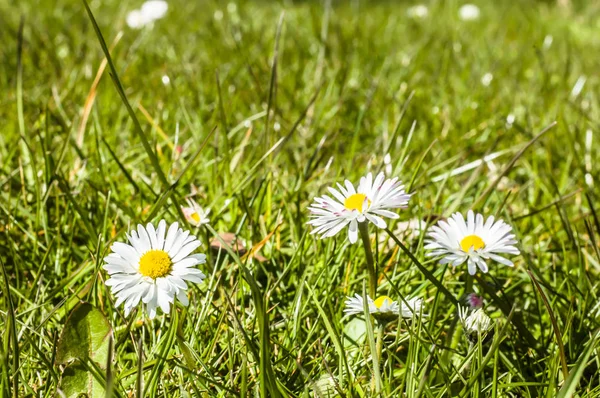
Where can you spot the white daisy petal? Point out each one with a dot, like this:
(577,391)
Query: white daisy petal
(171,235)
(183,298)
(160,234)
(178,243)
(143,235)
(125,251)
(163,301)
(353,231)
(187,249)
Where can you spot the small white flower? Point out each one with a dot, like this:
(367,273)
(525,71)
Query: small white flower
(475,323)
(487,79)
(548,41)
(510,119)
(195,214)
(473,241)
(349,206)
(469,12)
(418,11)
(383,307)
(387,161)
(135,19)
(166,80)
(154,9)
(154,267)
(151,11)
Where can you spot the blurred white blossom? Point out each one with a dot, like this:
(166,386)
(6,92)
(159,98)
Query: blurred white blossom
(418,11)
(487,79)
(578,87)
(154,9)
(150,11)
(469,12)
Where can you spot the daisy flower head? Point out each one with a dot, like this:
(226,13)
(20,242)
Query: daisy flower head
(469,12)
(474,300)
(154,267)
(383,307)
(418,11)
(150,11)
(195,214)
(475,241)
(475,323)
(370,201)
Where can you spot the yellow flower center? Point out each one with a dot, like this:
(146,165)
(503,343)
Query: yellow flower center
(471,241)
(355,202)
(195,216)
(381,300)
(155,264)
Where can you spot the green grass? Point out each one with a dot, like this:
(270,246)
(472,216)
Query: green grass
(258,140)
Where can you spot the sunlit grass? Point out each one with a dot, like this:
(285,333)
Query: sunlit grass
(459,107)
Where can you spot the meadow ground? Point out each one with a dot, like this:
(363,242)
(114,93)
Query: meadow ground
(254,125)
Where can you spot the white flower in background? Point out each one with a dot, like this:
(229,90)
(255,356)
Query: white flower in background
(150,11)
(154,9)
(487,79)
(387,161)
(349,206)
(547,42)
(475,323)
(153,268)
(383,307)
(195,214)
(418,11)
(469,12)
(135,20)
(472,241)
(510,119)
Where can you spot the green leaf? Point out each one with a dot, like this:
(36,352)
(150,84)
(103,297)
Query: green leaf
(77,382)
(85,335)
(84,347)
(570,386)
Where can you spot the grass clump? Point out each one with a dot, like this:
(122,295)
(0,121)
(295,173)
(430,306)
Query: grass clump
(253,109)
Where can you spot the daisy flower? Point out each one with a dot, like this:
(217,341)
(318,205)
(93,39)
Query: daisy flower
(349,206)
(195,214)
(474,300)
(153,267)
(473,241)
(469,12)
(475,323)
(154,9)
(383,307)
(418,11)
(150,11)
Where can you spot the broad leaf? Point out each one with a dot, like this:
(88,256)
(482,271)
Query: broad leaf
(84,336)
(78,382)
(83,346)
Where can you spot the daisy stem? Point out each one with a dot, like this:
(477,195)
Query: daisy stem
(363,227)
(379,346)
